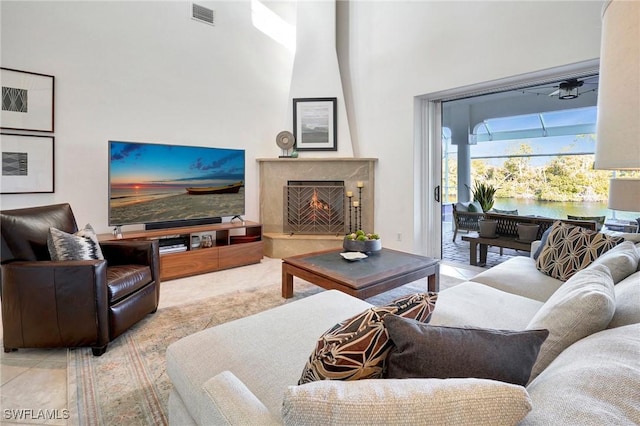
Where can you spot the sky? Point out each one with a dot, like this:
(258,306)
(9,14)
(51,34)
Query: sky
(549,146)
(134,163)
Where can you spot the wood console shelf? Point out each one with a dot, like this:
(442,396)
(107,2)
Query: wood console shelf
(234,244)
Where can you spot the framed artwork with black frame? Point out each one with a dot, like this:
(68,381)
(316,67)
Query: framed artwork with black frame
(27,101)
(315,124)
(27,164)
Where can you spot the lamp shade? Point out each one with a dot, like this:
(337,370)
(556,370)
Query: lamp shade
(624,194)
(618,122)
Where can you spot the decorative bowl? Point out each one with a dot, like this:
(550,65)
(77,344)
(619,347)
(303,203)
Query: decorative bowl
(367,246)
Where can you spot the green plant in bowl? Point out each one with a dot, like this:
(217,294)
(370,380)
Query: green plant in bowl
(362,242)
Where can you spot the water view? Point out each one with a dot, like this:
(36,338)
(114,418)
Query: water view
(560,210)
(553,209)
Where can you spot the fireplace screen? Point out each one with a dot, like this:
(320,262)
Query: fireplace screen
(314,207)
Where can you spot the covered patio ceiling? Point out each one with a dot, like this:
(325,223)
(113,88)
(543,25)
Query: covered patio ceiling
(527,112)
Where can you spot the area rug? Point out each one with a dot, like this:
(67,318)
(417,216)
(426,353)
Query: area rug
(129,384)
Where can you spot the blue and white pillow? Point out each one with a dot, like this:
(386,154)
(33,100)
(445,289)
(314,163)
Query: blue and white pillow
(83,245)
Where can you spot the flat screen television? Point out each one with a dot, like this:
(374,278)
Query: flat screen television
(158,184)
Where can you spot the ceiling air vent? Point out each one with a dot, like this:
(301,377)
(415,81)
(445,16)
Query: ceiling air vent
(202,14)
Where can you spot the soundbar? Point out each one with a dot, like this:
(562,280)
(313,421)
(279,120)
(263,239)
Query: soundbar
(181,223)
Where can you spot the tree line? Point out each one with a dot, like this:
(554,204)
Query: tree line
(566,178)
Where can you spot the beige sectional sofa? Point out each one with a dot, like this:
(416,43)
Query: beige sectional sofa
(587,372)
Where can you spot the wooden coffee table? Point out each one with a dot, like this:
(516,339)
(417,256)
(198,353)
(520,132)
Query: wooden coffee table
(379,272)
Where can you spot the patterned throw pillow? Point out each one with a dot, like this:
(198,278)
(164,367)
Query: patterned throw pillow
(357,348)
(83,245)
(570,248)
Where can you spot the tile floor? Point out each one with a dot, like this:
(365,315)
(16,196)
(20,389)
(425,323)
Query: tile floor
(33,382)
(458,251)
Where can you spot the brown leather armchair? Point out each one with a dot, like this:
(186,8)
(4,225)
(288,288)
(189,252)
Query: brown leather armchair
(49,303)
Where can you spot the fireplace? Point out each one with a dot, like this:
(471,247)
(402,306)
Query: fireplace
(276,173)
(314,207)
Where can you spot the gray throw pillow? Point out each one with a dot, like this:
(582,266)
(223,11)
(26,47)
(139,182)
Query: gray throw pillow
(428,351)
(511,212)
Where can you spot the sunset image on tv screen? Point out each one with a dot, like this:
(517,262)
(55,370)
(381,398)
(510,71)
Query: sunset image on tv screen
(155,183)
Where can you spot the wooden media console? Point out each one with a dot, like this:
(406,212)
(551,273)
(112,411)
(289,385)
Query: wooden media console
(234,244)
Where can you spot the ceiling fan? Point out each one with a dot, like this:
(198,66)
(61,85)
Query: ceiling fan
(569,89)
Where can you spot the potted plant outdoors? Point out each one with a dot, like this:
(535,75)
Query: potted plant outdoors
(484,193)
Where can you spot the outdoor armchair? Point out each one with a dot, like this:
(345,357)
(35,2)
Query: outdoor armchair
(465,220)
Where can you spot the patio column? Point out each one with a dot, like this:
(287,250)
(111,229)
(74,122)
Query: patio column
(460,137)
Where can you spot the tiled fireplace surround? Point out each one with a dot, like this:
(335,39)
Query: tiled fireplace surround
(274,175)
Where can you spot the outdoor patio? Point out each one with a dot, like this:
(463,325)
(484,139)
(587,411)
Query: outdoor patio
(458,251)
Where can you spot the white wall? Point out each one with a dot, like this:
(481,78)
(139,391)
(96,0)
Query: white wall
(316,73)
(147,72)
(398,50)
(144,71)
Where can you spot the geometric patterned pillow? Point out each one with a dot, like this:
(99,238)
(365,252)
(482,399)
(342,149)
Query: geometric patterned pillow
(571,248)
(83,245)
(357,348)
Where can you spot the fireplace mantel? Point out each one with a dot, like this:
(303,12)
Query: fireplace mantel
(276,172)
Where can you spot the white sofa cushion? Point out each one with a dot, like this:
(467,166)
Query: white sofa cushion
(581,306)
(593,382)
(227,401)
(622,260)
(627,302)
(520,276)
(405,402)
(633,237)
(178,412)
(266,351)
(478,305)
